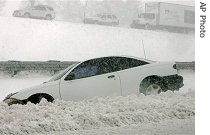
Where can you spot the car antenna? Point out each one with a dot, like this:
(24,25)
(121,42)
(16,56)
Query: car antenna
(144,49)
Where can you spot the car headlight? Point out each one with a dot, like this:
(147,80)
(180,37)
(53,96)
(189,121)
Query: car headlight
(11,101)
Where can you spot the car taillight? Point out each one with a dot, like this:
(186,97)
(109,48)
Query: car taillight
(174,66)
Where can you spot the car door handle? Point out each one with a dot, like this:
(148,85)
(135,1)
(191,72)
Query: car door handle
(111,76)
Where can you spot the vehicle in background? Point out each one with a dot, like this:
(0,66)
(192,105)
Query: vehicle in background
(166,16)
(92,19)
(104,76)
(39,11)
(102,19)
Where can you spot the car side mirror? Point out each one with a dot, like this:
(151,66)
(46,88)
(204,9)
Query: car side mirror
(70,76)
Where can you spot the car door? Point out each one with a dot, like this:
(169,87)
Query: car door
(32,11)
(89,79)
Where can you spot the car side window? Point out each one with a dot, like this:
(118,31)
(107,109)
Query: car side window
(103,16)
(122,63)
(125,63)
(85,69)
(103,66)
(40,8)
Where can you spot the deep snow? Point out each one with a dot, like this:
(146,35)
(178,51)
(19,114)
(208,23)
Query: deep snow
(167,113)
(97,113)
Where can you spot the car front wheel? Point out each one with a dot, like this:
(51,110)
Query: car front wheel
(147,26)
(38,97)
(26,15)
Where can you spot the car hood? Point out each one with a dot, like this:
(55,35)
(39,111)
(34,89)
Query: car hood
(24,92)
(40,86)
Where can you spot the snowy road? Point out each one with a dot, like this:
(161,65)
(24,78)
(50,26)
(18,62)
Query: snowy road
(44,40)
(164,114)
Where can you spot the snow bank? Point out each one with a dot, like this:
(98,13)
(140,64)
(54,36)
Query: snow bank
(30,39)
(95,113)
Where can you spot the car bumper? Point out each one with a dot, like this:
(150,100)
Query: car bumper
(174,82)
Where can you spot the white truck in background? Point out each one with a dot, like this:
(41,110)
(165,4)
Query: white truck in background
(166,16)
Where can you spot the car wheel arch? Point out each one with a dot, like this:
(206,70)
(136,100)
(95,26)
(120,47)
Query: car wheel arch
(36,98)
(154,78)
(48,15)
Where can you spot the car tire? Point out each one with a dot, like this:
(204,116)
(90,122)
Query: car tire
(48,17)
(151,87)
(26,15)
(15,14)
(147,26)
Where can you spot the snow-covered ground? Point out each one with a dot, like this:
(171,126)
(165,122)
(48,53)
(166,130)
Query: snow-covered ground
(30,39)
(167,113)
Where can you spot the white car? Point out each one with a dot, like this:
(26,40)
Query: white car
(105,76)
(39,11)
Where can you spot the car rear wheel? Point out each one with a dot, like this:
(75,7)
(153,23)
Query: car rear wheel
(48,17)
(151,87)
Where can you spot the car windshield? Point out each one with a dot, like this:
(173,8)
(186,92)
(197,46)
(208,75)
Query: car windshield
(61,73)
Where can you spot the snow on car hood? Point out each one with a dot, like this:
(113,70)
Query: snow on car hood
(115,111)
(36,87)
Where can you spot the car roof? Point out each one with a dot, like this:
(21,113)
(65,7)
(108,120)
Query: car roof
(42,6)
(107,14)
(143,59)
(125,56)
